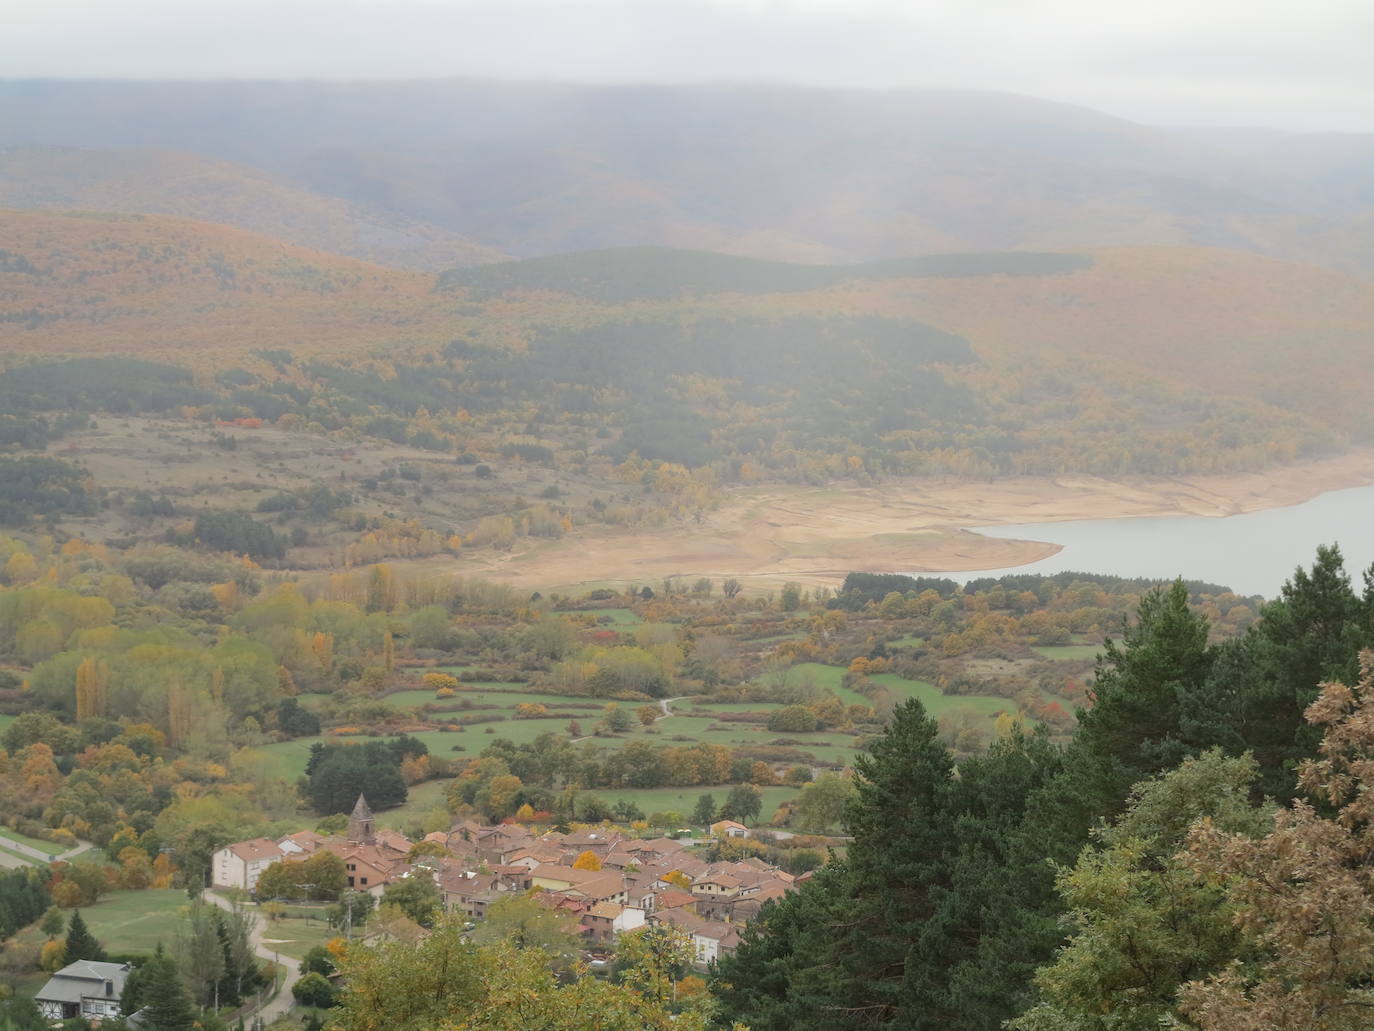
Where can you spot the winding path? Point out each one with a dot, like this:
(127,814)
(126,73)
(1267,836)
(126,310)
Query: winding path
(662,704)
(283,1000)
(29,852)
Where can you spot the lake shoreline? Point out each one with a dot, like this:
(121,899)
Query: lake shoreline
(767,535)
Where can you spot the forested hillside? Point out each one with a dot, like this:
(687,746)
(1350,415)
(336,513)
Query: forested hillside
(967,364)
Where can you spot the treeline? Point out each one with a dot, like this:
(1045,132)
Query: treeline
(46,487)
(23,899)
(946,911)
(728,397)
(621,275)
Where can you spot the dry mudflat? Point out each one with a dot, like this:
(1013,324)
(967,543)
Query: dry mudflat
(765,536)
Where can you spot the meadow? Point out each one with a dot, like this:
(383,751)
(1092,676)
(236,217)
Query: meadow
(1068,652)
(129,921)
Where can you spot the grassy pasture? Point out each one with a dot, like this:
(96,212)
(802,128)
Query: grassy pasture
(296,933)
(684,800)
(128,921)
(494,694)
(1068,652)
(936,702)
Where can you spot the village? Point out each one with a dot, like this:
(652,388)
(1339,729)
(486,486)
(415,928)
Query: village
(605,878)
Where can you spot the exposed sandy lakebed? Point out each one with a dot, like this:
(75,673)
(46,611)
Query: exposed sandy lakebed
(766,535)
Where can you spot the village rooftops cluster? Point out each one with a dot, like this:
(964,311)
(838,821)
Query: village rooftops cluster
(372,858)
(638,881)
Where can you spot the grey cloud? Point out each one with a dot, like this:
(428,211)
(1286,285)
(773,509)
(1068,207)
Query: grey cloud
(1197,62)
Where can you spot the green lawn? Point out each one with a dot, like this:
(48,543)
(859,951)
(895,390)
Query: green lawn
(297,933)
(5,722)
(1069,652)
(128,921)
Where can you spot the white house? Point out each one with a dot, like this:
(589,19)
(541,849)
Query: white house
(711,939)
(239,865)
(84,989)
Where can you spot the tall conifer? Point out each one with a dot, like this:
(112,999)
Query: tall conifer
(167,1003)
(81,944)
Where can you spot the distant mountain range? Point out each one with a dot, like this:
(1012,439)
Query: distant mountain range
(431,175)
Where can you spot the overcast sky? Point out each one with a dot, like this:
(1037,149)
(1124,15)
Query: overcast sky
(1307,65)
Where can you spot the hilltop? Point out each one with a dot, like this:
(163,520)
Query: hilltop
(818,175)
(141,180)
(104,283)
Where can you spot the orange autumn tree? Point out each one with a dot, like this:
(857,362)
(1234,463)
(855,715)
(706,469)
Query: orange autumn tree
(1304,894)
(588,860)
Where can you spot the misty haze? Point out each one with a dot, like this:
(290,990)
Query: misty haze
(702,514)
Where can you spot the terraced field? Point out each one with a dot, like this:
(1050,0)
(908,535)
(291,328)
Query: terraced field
(691,722)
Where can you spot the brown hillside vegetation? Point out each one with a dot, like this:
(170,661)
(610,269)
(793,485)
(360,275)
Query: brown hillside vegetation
(1292,335)
(99,283)
(1187,321)
(149,181)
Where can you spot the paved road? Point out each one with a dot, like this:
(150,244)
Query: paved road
(35,854)
(283,1000)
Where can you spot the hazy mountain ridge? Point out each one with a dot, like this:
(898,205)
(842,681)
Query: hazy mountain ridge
(788,173)
(163,182)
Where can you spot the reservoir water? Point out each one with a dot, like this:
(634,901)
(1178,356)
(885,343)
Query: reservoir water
(1252,553)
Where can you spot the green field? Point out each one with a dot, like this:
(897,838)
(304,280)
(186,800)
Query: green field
(504,695)
(1069,652)
(936,702)
(128,921)
(5,722)
(684,800)
(297,933)
(420,800)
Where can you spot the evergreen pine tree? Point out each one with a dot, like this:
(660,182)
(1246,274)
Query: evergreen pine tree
(1140,685)
(81,944)
(1261,686)
(167,1004)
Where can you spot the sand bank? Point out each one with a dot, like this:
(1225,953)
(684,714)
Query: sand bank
(765,536)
